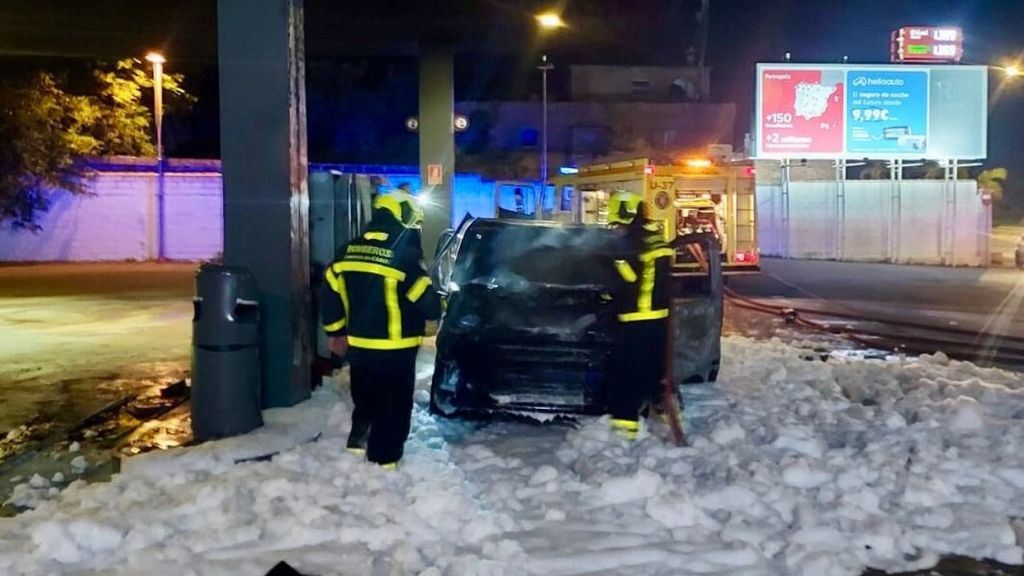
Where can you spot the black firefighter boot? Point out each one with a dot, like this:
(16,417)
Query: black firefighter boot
(358,437)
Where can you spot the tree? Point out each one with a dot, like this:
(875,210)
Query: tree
(47,129)
(874,170)
(124,125)
(992,181)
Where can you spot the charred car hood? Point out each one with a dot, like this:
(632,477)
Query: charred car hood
(524,280)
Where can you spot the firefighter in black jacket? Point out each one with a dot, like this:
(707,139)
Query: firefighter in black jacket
(642,304)
(377,297)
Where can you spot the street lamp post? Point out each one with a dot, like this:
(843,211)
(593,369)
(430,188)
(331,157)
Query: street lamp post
(157,60)
(548,21)
(544,68)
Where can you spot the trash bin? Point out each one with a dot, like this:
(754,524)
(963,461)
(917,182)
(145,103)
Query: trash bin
(225,353)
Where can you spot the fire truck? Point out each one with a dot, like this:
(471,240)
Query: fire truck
(697,196)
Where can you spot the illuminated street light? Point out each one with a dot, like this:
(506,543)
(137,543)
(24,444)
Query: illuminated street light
(1010,68)
(157,60)
(546,21)
(550,21)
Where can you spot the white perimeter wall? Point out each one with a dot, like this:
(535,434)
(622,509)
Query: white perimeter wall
(120,220)
(908,222)
(121,217)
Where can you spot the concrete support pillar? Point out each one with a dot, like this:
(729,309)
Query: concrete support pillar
(437,138)
(266,202)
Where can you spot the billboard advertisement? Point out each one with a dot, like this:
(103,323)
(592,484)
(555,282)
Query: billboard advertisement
(884,111)
(802,111)
(888,111)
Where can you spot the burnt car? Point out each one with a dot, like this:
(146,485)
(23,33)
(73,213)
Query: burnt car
(529,325)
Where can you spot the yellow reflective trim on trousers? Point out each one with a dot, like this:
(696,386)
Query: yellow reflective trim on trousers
(418,288)
(379,236)
(394,311)
(623,424)
(657,253)
(627,429)
(648,315)
(384,343)
(369,268)
(626,271)
(334,326)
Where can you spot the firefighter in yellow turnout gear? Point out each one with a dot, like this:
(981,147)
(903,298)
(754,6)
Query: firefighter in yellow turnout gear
(642,303)
(377,297)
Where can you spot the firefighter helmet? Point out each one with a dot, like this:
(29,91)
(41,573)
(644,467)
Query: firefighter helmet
(623,207)
(402,206)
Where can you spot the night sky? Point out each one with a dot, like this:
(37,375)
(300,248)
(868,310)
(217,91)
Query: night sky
(499,40)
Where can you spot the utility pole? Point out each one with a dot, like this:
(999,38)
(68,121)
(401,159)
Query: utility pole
(544,67)
(158,60)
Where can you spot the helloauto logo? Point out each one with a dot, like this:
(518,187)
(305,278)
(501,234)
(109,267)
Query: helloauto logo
(865,81)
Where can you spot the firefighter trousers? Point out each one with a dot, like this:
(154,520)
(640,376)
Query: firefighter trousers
(382,389)
(637,366)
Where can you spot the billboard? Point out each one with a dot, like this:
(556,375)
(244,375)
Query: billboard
(871,111)
(888,111)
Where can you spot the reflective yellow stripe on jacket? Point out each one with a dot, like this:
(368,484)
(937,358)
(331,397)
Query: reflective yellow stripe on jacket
(337,283)
(645,297)
(418,288)
(334,326)
(648,315)
(392,276)
(626,271)
(394,310)
(369,268)
(384,343)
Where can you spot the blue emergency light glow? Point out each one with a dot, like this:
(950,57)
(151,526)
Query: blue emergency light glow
(568,170)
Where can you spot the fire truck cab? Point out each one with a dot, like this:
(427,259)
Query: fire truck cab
(694,197)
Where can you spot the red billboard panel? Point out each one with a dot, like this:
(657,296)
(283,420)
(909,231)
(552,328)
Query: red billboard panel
(801,112)
(927,44)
